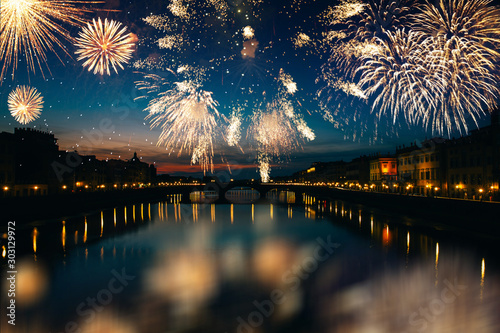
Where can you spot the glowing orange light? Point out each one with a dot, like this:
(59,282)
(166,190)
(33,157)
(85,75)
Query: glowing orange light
(35,235)
(386,236)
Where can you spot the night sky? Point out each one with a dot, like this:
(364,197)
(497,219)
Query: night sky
(77,102)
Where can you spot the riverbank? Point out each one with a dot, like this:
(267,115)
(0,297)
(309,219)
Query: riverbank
(479,217)
(28,209)
(475,216)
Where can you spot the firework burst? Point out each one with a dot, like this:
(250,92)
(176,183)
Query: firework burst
(278,131)
(434,65)
(31,27)
(104,45)
(25,104)
(476,22)
(463,42)
(248,32)
(401,77)
(187,116)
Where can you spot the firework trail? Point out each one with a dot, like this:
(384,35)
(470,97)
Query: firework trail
(234,127)
(104,45)
(25,104)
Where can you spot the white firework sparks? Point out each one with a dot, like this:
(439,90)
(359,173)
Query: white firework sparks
(248,32)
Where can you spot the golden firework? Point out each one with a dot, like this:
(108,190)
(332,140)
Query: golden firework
(25,104)
(248,32)
(187,116)
(436,65)
(278,131)
(104,45)
(30,28)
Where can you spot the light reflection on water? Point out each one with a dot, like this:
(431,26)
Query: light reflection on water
(204,267)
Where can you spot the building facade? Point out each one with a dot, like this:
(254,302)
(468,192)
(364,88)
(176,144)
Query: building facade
(32,164)
(383,173)
(473,164)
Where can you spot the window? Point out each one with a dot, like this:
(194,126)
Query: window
(464,179)
(421,159)
(427,158)
(472,179)
(427,174)
(432,158)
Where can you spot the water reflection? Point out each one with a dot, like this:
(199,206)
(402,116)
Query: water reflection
(232,213)
(436,265)
(242,195)
(34,235)
(212,213)
(277,195)
(216,266)
(63,236)
(85,231)
(253,213)
(203,196)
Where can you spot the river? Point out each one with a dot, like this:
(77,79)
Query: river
(292,263)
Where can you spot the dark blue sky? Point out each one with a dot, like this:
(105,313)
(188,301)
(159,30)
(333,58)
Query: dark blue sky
(97,115)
